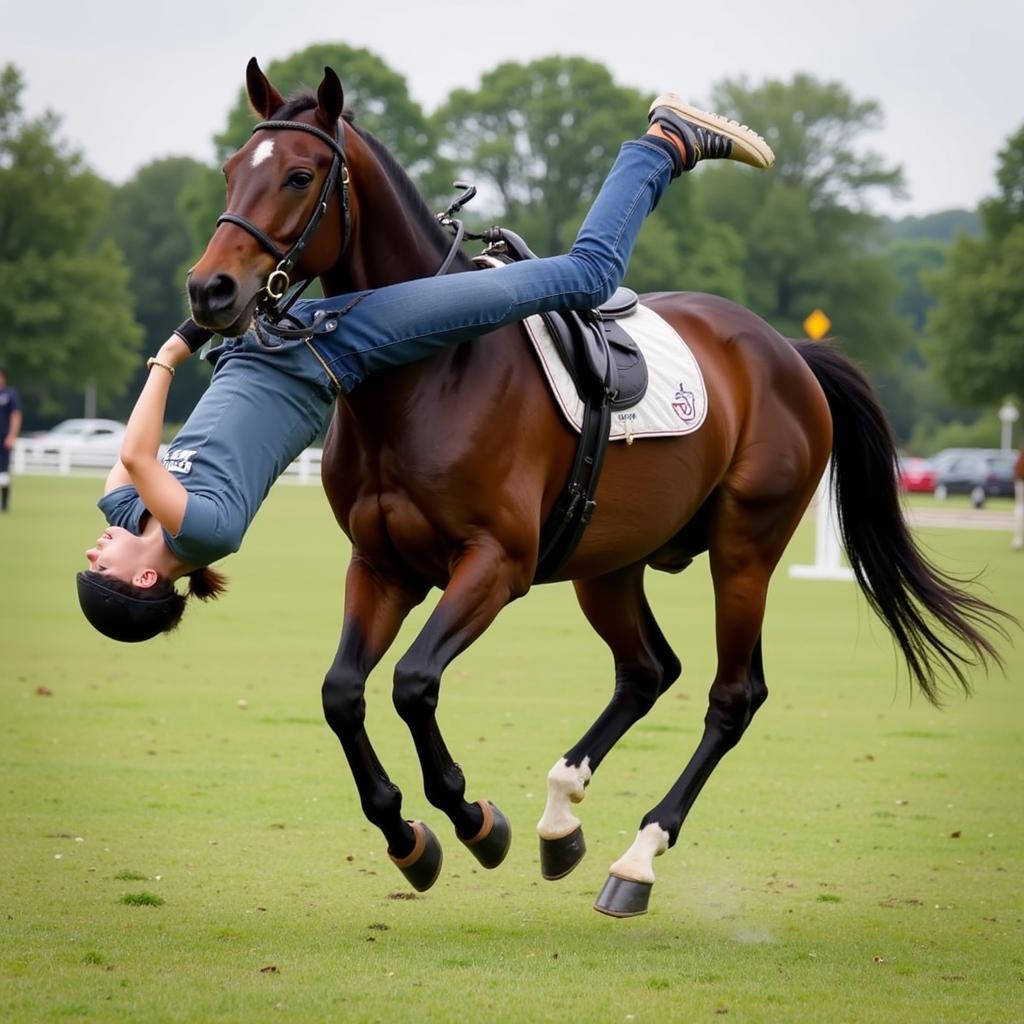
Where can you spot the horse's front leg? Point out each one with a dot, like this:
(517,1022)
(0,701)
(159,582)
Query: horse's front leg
(485,579)
(375,608)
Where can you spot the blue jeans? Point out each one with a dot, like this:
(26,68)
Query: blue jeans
(404,322)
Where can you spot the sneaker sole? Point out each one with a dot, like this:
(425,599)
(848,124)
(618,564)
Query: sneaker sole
(747,146)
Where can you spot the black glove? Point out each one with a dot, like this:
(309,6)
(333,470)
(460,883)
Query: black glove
(193,335)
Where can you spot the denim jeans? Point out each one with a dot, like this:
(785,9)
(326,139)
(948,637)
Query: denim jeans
(403,322)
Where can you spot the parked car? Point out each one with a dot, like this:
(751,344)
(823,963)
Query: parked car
(916,475)
(980,472)
(943,459)
(79,442)
(96,435)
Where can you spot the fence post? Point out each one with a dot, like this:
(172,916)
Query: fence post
(828,548)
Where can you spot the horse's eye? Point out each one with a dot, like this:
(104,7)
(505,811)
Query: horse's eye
(299,180)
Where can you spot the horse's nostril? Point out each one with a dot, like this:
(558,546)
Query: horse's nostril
(221,291)
(213,294)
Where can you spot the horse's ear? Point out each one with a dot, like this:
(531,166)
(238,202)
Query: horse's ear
(265,99)
(330,100)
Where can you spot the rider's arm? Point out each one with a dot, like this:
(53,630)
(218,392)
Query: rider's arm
(117,477)
(161,492)
(194,337)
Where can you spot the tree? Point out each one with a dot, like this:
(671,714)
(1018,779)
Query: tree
(978,324)
(65,308)
(378,95)
(541,138)
(907,387)
(943,226)
(809,235)
(914,261)
(145,220)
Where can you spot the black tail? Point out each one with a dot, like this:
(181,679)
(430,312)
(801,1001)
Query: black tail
(910,595)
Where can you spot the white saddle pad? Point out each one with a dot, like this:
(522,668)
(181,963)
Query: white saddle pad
(676,401)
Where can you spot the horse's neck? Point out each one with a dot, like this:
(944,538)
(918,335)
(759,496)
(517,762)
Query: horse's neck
(389,244)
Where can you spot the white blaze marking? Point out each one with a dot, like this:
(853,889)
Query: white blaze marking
(637,863)
(565,785)
(263,150)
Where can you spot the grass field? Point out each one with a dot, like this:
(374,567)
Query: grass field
(182,841)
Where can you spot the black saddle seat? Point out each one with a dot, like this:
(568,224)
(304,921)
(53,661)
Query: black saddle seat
(599,354)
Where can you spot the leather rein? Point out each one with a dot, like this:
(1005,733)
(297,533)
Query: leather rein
(275,303)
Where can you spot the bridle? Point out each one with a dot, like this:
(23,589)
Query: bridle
(273,305)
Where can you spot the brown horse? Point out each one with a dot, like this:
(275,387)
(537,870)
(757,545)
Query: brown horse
(437,485)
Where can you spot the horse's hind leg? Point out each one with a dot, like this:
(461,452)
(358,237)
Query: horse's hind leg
(374,611)
(645,667)
(485,579)
(745,544)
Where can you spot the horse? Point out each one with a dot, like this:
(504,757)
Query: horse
(436,486)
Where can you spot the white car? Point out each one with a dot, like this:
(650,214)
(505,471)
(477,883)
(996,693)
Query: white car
(100,436)
(79,443)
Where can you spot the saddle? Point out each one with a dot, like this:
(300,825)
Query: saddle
(609,372)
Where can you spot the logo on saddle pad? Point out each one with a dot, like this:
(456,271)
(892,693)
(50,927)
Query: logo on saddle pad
(684,405)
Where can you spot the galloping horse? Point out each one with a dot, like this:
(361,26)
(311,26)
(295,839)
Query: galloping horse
(437,485)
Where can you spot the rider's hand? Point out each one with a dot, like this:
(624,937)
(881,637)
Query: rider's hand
(193,335)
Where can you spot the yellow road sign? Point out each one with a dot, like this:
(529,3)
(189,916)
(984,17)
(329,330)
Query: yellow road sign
(816,325)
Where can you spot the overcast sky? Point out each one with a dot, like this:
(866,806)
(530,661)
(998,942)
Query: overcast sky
(134,81)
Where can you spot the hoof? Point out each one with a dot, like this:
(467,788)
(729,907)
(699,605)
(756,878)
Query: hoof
(559,856)
(422,866)
(492,842)
(621,897)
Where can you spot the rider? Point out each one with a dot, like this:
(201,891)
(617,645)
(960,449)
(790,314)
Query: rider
(174,516)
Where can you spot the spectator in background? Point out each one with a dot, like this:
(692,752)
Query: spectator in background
(10,427)
(1018,503)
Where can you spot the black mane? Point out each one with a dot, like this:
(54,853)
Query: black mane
(396,173)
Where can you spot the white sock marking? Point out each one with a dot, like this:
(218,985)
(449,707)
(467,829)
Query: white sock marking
(263,150)
(565,785)
(637,863)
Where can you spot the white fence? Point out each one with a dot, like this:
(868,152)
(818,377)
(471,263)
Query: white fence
(42,457)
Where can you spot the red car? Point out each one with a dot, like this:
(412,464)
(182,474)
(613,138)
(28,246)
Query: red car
(916,475)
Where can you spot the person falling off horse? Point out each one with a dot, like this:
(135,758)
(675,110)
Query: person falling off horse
(171,518)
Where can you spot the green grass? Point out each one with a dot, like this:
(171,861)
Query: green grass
(857,858)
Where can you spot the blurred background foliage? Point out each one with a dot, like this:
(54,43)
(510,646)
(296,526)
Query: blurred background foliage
(932,306)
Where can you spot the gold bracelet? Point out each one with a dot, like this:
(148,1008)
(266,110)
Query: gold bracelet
(151,362)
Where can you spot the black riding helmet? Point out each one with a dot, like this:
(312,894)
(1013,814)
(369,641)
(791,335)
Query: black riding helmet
(122,616)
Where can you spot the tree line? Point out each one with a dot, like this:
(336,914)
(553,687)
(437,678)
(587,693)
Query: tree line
(932,307)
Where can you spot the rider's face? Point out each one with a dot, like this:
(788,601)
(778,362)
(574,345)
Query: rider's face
(121,555)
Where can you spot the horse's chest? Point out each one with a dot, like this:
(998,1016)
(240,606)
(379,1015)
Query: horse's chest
(405,529)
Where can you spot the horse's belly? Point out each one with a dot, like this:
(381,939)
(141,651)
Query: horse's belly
(648,492)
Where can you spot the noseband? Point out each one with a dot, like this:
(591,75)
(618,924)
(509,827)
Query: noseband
(273,305)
